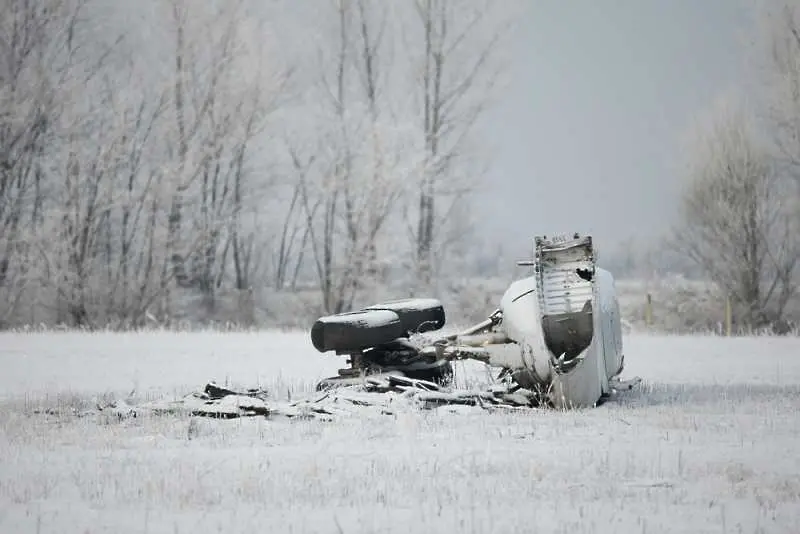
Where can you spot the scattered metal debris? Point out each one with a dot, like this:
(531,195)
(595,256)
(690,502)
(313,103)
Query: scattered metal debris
(214,401)
(382,394)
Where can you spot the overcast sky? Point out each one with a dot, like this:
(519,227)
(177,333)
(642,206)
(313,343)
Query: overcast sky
(601,94)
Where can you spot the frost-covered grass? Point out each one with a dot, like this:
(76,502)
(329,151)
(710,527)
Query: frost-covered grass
(708,444)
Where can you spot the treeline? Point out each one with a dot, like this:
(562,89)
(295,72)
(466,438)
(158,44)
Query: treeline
(165,157)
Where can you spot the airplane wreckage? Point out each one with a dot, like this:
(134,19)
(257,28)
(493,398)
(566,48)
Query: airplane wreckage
(555,340)
(556,337)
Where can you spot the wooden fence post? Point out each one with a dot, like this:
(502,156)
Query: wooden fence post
(728,316)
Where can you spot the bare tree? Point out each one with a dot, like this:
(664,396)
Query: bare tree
(221,95)
(134,176)
(47,56)
(404,86)
(352,173)
(458,67)
(780,42)
(119,179)
(735,223)
(111,256)
(195,142)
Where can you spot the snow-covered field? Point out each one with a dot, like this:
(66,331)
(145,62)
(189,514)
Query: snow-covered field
(709,443)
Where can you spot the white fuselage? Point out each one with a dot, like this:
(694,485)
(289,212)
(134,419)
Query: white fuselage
(527,354)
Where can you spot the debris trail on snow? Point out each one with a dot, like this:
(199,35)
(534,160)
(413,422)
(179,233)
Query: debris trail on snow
(378,395)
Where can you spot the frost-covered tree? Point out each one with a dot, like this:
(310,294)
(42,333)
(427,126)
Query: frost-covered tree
(126,162)
(221,94)
(353,163)
(48,56)
(455,49)
(736,219)
(154,152)
(779,44)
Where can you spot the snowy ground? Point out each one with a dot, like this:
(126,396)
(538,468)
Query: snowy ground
(708,444)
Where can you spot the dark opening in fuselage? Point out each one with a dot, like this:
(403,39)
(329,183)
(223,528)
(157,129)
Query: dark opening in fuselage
(569,334)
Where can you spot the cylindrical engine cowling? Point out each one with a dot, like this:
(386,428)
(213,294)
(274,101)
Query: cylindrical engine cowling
(355,331)
(417,315)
